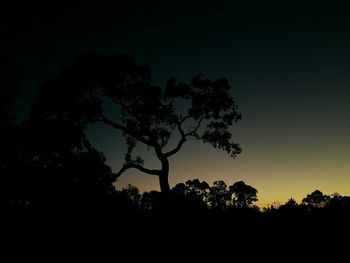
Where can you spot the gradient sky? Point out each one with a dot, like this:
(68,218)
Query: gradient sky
(288,65)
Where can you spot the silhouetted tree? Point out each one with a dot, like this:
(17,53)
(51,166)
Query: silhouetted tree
(243,195)
(316,199)
(191,195)
(150,200)
(219,196)
(193,188)
(272,208)
(51,164)
(146,113)
(134,193)
(339,203)
(291,203)
(292,208)
(180,189)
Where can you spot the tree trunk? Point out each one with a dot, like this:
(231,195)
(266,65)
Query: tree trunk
(163,177)
(164,183)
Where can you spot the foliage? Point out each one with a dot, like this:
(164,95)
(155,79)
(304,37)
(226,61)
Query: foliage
(219,196)
(50,163)
(147,114)
(316,199)
(134,194)
(243,195)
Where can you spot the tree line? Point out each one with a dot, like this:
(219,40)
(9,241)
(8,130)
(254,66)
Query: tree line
(194,195)
(47,162)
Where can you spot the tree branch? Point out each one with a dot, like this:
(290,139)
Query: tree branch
(126,130)
(194,132)
(182,140)
(138,167)
(184,135)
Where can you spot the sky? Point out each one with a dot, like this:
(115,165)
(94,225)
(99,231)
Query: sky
(288,65)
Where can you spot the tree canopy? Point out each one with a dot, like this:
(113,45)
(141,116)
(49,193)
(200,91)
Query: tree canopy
(244,195)
(316,199)
(145,113)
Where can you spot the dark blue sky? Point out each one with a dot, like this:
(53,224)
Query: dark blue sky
(288,64)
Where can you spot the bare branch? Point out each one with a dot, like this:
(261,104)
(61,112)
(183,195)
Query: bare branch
(152,142)
(184,135)
(182,140)
(194,131)
(177,148)
(138,167)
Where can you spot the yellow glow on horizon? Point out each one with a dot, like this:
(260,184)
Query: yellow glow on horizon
(276,176)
